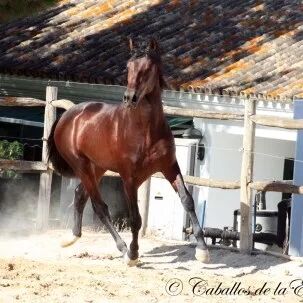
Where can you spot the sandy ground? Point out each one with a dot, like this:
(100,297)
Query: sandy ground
(36,269)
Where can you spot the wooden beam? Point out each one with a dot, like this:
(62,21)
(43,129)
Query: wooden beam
(46,177)
(211,183)
(273,186)
(277,186)
(277,122)
(21,101)
(206,182)
(169,110)
(110,173)
(195,181)
(23,166)
(67,104)
(143,204)
(197,113)
(246,234)
(20,121)
(63,103)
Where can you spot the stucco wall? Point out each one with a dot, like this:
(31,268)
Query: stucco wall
(223,142)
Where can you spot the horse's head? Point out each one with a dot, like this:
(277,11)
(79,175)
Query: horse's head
(144,71)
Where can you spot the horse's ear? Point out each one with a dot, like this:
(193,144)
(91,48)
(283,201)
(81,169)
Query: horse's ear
(130,43)
(153,44)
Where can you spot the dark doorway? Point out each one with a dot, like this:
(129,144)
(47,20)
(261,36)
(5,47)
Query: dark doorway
(288,174)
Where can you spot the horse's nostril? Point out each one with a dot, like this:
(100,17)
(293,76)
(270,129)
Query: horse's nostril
(125,98)
(134,98)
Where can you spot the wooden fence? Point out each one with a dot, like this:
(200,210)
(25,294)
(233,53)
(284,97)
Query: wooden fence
(246,183)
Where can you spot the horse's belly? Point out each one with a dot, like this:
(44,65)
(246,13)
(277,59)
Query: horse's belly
(102,155)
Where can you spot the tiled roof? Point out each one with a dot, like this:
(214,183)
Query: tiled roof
(217,46)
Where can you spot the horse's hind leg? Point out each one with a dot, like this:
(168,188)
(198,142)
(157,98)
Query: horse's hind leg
(174,176)
(132,254)
(90,182)
(80,199)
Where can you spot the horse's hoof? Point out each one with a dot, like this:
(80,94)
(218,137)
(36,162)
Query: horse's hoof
(69,242)
(129,261)
(202,255)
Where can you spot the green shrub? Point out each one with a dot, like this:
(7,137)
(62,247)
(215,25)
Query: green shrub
(10,151)
(13,9)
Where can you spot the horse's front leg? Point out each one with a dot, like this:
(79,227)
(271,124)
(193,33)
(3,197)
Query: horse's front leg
(131,191)
(174,176)
(80,199)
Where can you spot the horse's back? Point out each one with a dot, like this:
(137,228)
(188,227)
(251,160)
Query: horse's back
(86,130)
(86,107)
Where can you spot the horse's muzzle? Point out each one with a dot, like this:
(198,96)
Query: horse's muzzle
(130,97)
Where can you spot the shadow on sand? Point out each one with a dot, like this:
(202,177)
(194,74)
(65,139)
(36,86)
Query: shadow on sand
(220,259)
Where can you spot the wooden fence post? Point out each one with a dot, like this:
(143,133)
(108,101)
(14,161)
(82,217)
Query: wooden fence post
(143,203)
(246,237)
(46,177)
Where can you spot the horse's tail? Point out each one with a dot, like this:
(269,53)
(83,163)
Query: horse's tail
(59,164)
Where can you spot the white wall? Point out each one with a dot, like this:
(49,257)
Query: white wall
(223,142)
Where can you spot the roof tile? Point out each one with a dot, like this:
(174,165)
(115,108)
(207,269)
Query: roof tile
(252,46)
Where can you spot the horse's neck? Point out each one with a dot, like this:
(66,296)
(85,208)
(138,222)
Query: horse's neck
(153,108)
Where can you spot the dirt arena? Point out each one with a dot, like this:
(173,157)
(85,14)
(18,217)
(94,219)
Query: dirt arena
(36,269)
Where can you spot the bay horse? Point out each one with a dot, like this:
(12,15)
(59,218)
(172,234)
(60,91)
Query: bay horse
(132,139)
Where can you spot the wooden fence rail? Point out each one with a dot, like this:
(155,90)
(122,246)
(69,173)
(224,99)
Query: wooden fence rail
(246,183)
(277,122)
(21,101)
(268,186)
(246,234)
(197,113)
(46,176)
(22,166)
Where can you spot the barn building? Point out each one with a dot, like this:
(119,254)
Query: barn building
(216,55)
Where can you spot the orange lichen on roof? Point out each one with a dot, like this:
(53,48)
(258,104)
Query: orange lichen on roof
(186,61)
(252,46)
(285,32)
(59,59)
(74,11)
(258,8)
(227,72)
(249,90)
(126,14)
(235,67)
(172,5)
(296,85)
(196,83)
(278,92)
(281,32)
(123,16)
(97,10)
